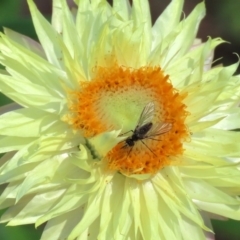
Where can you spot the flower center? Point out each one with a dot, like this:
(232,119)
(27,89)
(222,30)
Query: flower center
(119,98)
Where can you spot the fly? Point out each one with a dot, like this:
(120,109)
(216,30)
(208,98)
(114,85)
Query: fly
(145,129)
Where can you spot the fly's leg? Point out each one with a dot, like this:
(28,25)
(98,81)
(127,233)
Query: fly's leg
(149,148)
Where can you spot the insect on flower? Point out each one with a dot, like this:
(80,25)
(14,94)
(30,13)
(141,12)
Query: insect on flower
(145,129)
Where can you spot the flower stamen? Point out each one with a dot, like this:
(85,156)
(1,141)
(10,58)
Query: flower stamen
(115,99)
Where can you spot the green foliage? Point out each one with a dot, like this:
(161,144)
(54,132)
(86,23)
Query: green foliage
(9,9)
(228,12)
(26,232)
(226,230)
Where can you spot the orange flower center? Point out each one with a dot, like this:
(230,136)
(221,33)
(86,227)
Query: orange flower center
(116,98)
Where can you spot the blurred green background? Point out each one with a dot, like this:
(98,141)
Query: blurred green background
(222,20)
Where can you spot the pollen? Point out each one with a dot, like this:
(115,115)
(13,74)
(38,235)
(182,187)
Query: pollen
(115,99)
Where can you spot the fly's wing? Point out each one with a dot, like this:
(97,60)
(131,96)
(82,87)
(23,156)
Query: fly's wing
(146,115)
(159,129)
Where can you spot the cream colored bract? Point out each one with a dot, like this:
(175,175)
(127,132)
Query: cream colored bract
(55,174)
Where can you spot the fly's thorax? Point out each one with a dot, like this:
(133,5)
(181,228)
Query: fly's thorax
(143,130)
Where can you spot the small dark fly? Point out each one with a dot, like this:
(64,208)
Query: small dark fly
(145,129)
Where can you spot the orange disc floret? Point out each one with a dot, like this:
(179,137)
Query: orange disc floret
(119,88)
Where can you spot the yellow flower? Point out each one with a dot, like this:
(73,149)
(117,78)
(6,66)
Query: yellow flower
(124,130)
